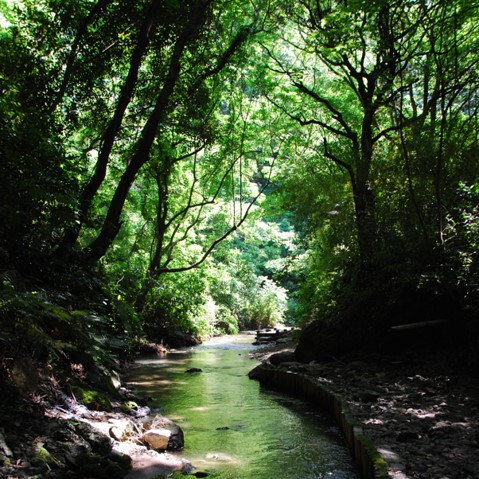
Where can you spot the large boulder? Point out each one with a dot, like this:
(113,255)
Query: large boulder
(176,438)
(156,439)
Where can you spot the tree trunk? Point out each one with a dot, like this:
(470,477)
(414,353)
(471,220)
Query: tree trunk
(161,215)
(367,233)
(363,195)
(91,188)
(141,155)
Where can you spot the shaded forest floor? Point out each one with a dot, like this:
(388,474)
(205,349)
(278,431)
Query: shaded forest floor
(422,414)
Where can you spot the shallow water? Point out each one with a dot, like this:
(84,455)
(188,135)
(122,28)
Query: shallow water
(233,428)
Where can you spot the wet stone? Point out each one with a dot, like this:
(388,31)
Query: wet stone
(193,370)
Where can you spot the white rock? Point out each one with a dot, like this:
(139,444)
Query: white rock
(121,429)
(3,446)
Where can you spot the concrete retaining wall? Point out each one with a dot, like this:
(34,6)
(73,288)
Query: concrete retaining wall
(368,460)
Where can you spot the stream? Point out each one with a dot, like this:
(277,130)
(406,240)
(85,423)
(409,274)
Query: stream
(234,429)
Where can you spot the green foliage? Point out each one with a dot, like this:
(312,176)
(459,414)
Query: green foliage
(461,262)
(39,180)
(42,326)
(177,303)
(265,305)
(335,69)
(205,167)
(242,285)
(253,274)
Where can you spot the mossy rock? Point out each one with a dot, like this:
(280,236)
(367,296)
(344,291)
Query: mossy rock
(44,456)
(129,406)
(94,400)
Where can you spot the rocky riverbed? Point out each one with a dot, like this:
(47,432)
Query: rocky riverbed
(63,439)
(421,413)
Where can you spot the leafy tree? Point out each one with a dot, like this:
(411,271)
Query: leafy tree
(35,197)
(213,161)
(348,50)
(350,68)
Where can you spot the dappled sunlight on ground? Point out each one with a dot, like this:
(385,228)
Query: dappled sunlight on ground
(423,417)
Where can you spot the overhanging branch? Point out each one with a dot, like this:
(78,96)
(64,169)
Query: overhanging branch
(221,238)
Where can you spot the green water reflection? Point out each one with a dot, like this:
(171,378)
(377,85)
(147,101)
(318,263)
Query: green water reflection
(233,428)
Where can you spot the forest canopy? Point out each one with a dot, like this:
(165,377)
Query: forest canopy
(205,166)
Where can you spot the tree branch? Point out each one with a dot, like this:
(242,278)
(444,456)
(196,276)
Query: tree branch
(218,240)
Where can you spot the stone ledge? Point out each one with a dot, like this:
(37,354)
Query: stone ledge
(370,463)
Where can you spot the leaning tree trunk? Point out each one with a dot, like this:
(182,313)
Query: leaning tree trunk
(98,248)
(89,191)
(161,227)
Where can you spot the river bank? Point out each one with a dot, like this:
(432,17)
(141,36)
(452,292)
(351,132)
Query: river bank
(421,413)
(58,437)
(52,435)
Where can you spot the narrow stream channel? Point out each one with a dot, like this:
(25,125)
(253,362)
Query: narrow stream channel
(233,428)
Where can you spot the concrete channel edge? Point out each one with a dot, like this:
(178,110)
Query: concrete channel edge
(368,460)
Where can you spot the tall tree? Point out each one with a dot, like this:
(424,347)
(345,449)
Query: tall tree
(349,66)
(149,23)
(181,62)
